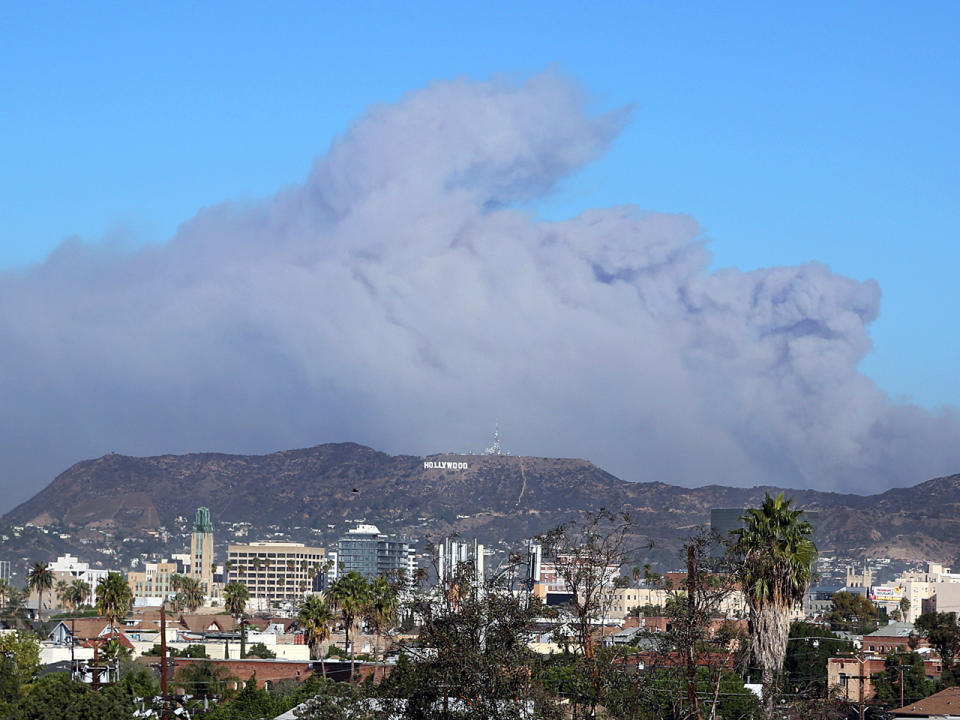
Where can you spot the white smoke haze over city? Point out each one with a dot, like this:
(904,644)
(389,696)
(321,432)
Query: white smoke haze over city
(398,298)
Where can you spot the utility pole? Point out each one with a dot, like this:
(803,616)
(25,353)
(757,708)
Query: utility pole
(862,677)
(163,658)
(901,679)
(691,635)
(163,649)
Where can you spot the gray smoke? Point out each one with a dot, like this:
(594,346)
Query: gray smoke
(397,298)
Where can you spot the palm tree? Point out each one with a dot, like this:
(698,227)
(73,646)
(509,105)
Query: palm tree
(40,580)
(315,618)
(776,556)
(5,588)
(16,605)
(235,597)
(382,609)
(114,598)
(190,594)
(75,593)
(61,589)
(351,594)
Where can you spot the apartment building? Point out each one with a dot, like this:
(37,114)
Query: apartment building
(153,583)
(366,550)
(276,570)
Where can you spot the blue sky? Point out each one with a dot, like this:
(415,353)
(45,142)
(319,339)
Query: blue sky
(791,134)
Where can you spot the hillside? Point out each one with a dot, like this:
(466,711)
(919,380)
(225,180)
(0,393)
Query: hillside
(493,497)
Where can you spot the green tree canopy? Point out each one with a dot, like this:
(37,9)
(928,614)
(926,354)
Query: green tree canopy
(114,598)
(942,632)
(57,697)
(907,668)
(853,612)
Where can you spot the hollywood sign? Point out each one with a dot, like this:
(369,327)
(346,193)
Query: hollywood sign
(443,465)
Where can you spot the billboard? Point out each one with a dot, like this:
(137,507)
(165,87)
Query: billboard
(886,593)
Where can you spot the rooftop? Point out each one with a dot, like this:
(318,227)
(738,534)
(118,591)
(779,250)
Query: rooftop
(894,629)
(943,704)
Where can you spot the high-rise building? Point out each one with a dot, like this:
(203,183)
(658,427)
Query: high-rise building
(366,550)
(276,570)
(201,550)
(453,553)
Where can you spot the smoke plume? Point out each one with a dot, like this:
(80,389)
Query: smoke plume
(399,299)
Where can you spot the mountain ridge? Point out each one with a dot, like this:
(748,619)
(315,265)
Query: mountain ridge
(494,496)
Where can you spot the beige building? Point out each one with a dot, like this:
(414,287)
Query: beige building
(619,602)
(275,571)
(153,582)
(201,551)
(919,588)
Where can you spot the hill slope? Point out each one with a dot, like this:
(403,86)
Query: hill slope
(494,496)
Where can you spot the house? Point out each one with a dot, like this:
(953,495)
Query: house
(890,638)
(944,705)
(83,629)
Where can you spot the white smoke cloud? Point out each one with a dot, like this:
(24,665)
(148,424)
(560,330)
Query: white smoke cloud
(396,299)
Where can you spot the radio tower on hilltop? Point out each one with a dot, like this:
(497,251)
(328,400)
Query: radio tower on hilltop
(495,449)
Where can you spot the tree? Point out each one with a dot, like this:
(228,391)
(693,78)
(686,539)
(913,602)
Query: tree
(351,594)
(39,580)
(587,558)
(114,598)
(903,673)
(23,649)
(805,665)
(61,589)
(75,594)
(852,612)
(942,632)
(236,595)
(904,607)
(204,678)
(261,651)
(315,618)
(57,696)
(16,606)
(471,659)
(775,554)
(190,593)
(382,609)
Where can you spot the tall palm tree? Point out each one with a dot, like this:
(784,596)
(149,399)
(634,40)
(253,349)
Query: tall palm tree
(382,609)
(40,580)
(114,599)
(775,552)
(351,594)
(235,597)
(315,618)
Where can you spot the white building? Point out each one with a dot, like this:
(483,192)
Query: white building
(453,552)
(68,568)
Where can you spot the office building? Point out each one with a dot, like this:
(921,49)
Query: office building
(276,570)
